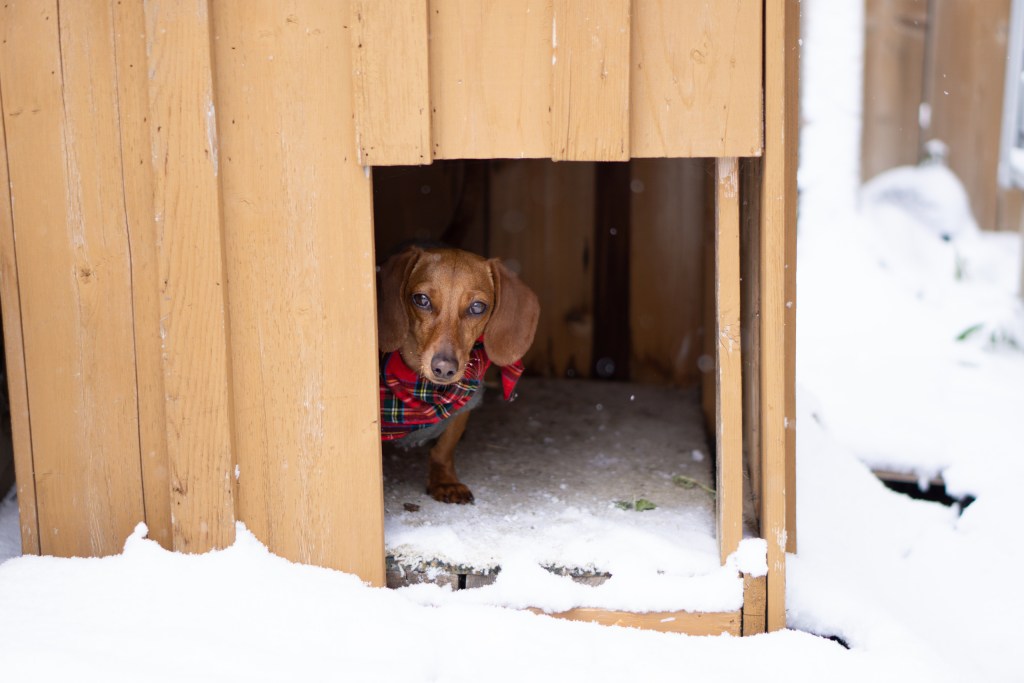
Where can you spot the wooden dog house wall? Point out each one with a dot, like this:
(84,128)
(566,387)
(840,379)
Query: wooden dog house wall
(187,244)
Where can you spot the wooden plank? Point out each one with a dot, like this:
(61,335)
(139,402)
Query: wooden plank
(690,623)
(132,81)
(667,213)
(490,78)
(73,274)
(706,361)
(778,209)
(964,89)
(299,231)
(754,589)
(542,218)
(728,365)
(390,81)
(791,125)
(750,324)
(193,321)
(590,89)
(14,348)
(610,358)
(894,53)
(696,78)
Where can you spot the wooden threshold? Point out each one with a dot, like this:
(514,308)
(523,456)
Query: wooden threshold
(748,620)
(690,623)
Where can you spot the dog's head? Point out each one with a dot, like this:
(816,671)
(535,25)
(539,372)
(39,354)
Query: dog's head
(433,304)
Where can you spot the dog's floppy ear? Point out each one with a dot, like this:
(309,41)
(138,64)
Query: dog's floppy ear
(392,320)
(513,322)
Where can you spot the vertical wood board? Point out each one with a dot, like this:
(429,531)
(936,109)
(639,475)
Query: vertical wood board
(192,285)
(728,365)
(542,217)
(667,213)
(894,62)
(695,86)
(590,88)
(611,352)
(750,322)
(72,258)
(14,348)
(129,22)
(964,87)
(791,125)
(389,80)
(778,206)
(490,78)
(299,240)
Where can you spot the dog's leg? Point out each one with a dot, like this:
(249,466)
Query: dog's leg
(442,482)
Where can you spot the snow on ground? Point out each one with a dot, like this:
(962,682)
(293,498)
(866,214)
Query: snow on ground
(551,473)
(918,592)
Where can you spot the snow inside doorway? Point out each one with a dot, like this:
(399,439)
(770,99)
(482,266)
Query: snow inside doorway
(586,479)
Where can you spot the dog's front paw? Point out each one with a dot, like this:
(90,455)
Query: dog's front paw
(451,492)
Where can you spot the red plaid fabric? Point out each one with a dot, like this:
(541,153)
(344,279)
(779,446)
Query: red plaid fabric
(409,402)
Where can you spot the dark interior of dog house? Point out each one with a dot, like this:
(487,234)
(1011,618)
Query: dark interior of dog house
(608,418)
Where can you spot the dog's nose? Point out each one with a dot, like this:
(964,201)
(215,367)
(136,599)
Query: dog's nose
(444,366)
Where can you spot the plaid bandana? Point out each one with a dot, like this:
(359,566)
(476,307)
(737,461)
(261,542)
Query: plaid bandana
(408,402)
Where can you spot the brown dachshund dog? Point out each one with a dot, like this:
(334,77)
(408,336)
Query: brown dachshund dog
(443,316)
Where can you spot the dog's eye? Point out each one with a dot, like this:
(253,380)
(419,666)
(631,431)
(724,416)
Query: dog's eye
(421,301)
(477,308)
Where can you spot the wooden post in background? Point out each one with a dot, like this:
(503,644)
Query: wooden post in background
(964,90)
(894,62)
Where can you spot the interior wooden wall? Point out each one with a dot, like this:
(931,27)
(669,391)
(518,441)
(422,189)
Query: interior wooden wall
(543,219)
(949,55)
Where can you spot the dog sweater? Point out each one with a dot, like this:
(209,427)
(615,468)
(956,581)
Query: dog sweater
(409,402)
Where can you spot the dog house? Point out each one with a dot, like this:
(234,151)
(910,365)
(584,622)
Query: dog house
(187,245)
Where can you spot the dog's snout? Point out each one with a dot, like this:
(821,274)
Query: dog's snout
(443,366)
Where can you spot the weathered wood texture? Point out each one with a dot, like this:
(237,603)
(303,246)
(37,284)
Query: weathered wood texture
(192,282)
(565,80)
(70,244)
(894,58)
(691,623)
(138,174)
(667,216)
(390,79)
(728,365)
(950,56)
(590,100)
(299,239)
(696,82)
(490,79)
(754,588)
(14,350)
(778,216)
